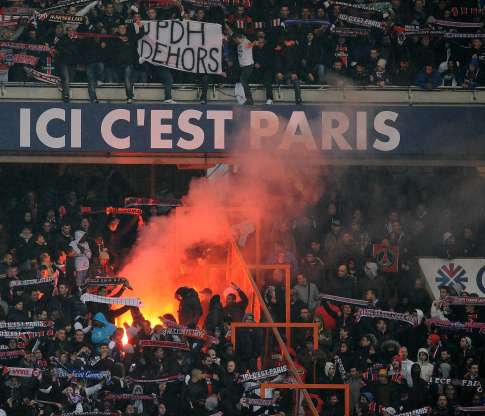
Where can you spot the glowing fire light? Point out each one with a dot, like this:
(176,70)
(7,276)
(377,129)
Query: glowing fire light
(124,340)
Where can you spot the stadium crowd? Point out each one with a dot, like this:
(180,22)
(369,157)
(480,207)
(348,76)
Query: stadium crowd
(364,43)
(53,252)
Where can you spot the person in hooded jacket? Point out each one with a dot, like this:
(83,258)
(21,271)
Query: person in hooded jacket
(426,367)
(190,309)
(102,330)
(419,390)
(330,376)
(215,317)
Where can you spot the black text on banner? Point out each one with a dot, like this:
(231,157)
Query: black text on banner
(186,46)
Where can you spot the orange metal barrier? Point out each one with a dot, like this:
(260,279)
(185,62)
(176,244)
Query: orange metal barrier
(236,325)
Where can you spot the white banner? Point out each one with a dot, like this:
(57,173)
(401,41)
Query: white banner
(186,45)
(464,274)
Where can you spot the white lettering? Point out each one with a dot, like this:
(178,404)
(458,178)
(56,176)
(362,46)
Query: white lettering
(361,131)
(157,129)
(41,128)
(76,129)
(297,121)
(25,127)
(258,130)
(219,118)
(107,129)
(329,132)
(195,131)
(391,132)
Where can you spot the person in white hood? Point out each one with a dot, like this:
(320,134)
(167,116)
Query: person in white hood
(426,366)
(82,256)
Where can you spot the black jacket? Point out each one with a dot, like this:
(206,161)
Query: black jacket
(123,50)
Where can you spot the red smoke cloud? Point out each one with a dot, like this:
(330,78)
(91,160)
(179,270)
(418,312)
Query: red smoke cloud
(259,185)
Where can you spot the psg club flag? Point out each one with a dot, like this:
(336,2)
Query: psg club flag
(387,257)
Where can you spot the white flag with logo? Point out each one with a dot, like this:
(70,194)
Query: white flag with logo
(461,274)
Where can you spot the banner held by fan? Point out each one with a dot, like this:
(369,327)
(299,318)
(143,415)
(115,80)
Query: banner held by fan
(189,46)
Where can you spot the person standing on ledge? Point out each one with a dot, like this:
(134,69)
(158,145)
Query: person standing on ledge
(245,60)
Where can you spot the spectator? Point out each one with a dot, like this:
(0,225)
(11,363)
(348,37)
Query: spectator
(306,292)
(246,63)
(472,76)
(123,56)
(429,78)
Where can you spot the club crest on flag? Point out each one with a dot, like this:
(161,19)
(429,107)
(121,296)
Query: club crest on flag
(451,273)
(387,257)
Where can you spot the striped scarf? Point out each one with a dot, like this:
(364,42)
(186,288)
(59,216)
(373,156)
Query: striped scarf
(31,282)
(42,77)
(374,9)
(22,372)
(128,396)
(463,301)
(473,409)
(9,21)
(360,21)
(90,414)
(65,4)
(18,58)
(24,46)
(26,325)
(416,412)
(452,23)
(249,401)
(108,281)
(379,313)
(349,32)
(312,22)
(167,379)
(346,301)
(263,374)
(26,334)
(60,18)
(164,344)
(457,326)
(16,11)
(175,329)
(341,369)
(88,297)
(7,355)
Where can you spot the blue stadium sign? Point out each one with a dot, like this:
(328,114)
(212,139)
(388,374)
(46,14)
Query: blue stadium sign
(332,131)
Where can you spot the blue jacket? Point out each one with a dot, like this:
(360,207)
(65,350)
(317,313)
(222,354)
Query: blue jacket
(101,334)
(423,79)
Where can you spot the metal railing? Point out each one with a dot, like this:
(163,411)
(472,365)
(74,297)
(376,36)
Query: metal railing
(153,92)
